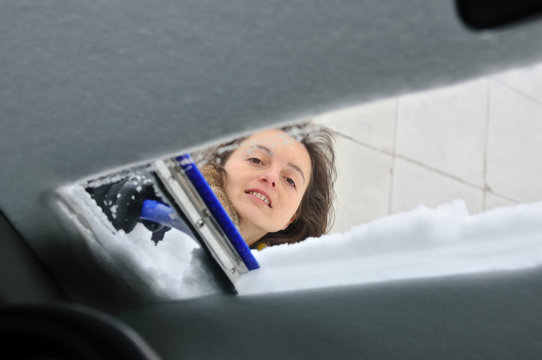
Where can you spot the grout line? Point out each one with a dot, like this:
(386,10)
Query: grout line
(486,143)
(505,197)
(484,188)
(518,92)
(393,155)
(440,172)
(477,187)
(368,146)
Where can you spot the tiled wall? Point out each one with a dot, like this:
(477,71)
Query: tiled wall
(480,141)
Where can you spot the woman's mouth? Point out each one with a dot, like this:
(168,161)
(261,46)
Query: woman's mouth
(260,196)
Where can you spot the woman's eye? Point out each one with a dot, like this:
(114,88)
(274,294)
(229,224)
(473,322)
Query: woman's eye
(290,181)
(255,161)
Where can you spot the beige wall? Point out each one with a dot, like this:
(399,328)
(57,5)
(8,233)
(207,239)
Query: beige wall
(480,141)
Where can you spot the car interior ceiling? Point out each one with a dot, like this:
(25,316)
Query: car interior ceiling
(96,85)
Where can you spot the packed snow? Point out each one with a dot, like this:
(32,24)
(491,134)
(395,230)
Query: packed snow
(421,243)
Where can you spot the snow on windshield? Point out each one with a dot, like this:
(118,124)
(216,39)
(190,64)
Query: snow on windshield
(421,243)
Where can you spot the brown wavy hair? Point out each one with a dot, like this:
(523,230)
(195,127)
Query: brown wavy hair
(315,214)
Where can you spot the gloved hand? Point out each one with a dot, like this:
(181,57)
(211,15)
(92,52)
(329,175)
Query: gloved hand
(122,201)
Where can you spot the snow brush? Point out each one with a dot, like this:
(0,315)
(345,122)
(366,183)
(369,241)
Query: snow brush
(172,193)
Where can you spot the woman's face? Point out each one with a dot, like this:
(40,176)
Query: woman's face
(266,177)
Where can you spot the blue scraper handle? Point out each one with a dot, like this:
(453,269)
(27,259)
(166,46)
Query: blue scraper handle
(216,209)
(161,213)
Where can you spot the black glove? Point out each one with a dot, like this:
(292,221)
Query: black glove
(122,202)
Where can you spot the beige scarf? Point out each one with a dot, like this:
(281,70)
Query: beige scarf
(215,180)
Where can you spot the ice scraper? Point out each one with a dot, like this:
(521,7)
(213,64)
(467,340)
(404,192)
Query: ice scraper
(172,193)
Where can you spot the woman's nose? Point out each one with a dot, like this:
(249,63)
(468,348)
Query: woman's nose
(270,179)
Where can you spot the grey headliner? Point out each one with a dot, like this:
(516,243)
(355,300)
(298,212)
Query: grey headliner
(94,85)
(478,317)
